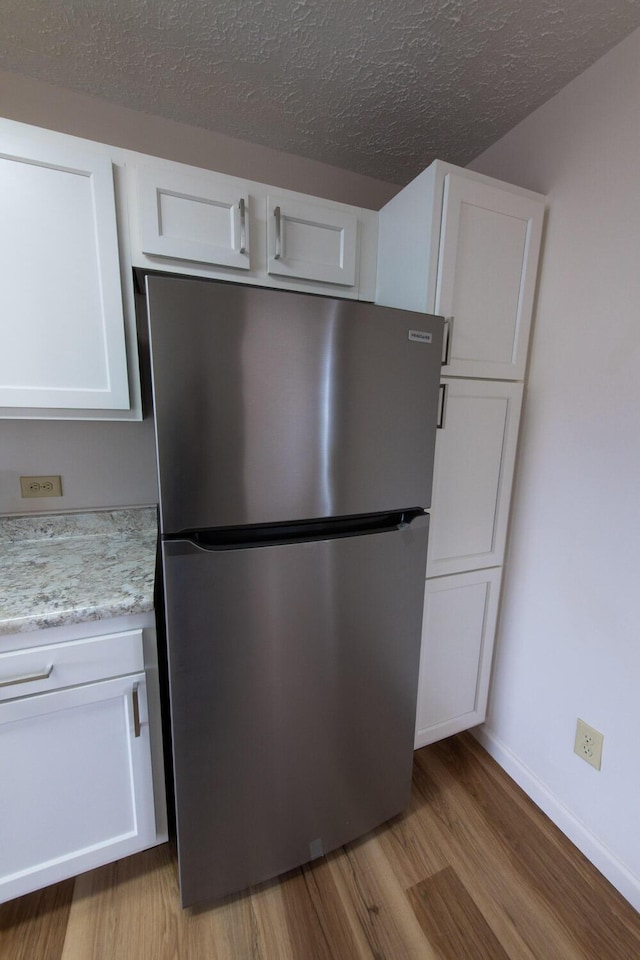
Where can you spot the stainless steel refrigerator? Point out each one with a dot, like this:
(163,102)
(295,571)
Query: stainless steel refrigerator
(295,437)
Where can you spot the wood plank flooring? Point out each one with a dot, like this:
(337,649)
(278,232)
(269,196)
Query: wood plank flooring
(471,871)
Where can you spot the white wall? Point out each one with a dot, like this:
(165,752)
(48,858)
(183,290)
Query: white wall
(81,115)
(569,641)
(112,464)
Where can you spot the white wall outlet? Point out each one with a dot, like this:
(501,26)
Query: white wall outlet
(588,744)
(41,486)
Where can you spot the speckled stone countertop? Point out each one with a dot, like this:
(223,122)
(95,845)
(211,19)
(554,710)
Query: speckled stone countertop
(74,567)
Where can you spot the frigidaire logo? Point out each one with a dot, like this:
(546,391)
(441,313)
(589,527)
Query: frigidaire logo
(420,335)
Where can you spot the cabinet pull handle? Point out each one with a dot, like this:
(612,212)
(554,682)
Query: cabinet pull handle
(27,678)
(446,346)
(278,252)
(442,403)
(243,226)
(136,710)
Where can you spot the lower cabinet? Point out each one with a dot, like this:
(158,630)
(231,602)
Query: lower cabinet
(458,630)
(473,471)
(76,773)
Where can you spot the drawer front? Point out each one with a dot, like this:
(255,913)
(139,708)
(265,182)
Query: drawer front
(53,666)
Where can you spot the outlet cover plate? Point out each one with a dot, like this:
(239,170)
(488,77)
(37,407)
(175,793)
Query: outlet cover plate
(588,744)
(41,486)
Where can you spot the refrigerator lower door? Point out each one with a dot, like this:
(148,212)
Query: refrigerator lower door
(293,674)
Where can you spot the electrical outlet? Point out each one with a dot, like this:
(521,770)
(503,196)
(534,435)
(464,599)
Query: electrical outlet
(41,486)
(588,744)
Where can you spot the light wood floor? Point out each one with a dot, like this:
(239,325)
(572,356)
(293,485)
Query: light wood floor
(472,871)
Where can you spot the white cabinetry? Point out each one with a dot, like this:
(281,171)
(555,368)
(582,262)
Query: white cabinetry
(473,471)
(204,218)
(311,241)
(211,225)
(79,740)
(61,300)
(489,244)
(465,246)
(455,660)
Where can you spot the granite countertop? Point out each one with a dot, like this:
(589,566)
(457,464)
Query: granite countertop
(75,567)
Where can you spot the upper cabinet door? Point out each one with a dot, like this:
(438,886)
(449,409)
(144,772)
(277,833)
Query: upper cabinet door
(473,470)
(203,218)
(311,241)
(61,309)
(489,246)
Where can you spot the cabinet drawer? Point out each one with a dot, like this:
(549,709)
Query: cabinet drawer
(53,666)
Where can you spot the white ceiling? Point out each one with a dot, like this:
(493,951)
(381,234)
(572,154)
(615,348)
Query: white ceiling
(381,87)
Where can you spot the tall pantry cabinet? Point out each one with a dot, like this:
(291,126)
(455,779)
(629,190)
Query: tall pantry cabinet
(466,247)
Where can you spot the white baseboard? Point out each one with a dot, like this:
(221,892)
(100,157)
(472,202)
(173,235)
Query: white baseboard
(594,850)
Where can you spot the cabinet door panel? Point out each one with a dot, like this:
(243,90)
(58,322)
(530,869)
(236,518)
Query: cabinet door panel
(75,782)
(455,661)
(473,470)
(489,247)
(61,298)
(311,241)
(202,218)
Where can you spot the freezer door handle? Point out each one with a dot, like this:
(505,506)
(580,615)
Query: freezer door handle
(272,534)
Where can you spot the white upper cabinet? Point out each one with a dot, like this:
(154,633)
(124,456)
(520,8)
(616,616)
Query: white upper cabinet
(192,221)
(205,218)
(473,470)
(61,298)
(489,245)
(465,246)
(311,241)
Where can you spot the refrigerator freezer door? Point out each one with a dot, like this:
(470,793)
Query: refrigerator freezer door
(274,406)
(293,672)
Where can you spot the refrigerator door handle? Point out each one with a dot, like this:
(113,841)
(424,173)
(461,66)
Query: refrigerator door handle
(235,538)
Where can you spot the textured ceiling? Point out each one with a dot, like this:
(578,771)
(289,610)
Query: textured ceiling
(377,86)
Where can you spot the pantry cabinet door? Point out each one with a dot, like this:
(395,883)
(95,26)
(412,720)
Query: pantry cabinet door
(312,241)
(489,249)
(202,217)
(61,309)
(458,630)
(76,787)
(473,471)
